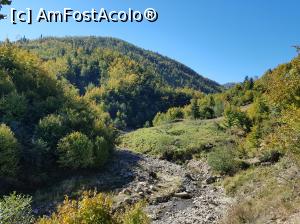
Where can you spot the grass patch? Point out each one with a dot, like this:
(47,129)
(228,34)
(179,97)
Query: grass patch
(264,194)
(177,141)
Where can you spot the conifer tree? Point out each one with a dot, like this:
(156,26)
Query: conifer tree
(4,2)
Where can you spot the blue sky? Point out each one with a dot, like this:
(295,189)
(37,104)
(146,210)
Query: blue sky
(224,40)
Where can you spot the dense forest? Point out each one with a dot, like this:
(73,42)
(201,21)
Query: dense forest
(117,75)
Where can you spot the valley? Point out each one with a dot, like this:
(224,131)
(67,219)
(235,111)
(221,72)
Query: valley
(97,130)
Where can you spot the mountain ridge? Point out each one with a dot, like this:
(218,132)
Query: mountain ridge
(173,72)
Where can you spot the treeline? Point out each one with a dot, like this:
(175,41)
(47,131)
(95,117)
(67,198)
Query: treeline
(212,105)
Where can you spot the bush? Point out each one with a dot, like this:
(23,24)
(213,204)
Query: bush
(135,215)
(90,209)
(75,151)
(101,151)
(16,209)
(94,208)
(9,152)
(13,107)
(223,161)
(172,114)
(174,155)
(234,117)
(259,110)
(253,139)
(175,113)
(50,129)
(207,113)
(6,84)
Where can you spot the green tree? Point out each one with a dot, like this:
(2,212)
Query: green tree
(207,112)
(13,107)
(234,117)
(195,113)
(4,2)
(259,110)
(174,113)
(9,152)
(75,151)
(51,129)
(6,84)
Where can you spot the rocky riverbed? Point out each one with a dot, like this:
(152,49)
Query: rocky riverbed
(174,193)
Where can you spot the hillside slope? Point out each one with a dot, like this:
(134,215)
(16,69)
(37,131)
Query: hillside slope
(116,75)
(170,71)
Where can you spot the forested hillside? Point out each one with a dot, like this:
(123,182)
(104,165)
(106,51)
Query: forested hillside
(46,126)
(130,83)
(167,70)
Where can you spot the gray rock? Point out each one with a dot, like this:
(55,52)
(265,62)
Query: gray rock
(183,195)
(211,180)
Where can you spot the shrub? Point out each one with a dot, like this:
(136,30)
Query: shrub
(135,215)
(253,140)
(174,155)
(50,129)
(90,209)
(172,114)
(259,110)
(94,208)
(234,117)
(175,113)
(286,136)
(16,209)
(223,161)
(9,152)
(101,151)
(207,113)
(13,107)
(75,151)
(6,84)
(159,119)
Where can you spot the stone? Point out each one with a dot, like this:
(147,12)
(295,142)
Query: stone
(128,201)
(211,180)
(190,177)
(183,195)
(126,191)
(153,174)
